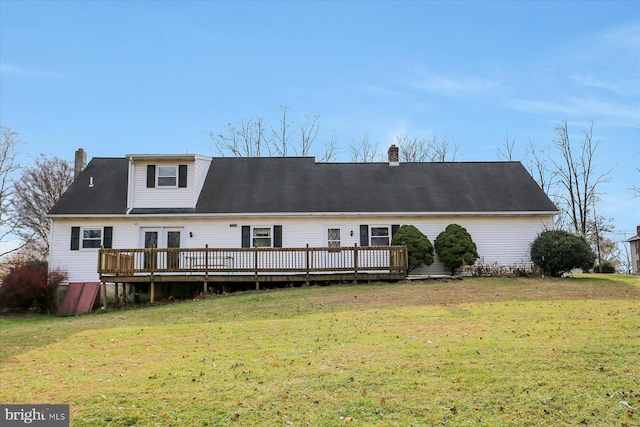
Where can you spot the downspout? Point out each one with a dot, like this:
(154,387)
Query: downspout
(130,187)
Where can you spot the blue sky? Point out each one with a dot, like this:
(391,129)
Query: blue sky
(126,77)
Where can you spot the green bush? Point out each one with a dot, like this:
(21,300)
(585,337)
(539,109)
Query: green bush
(557,252)
(604,267)
(455,247)
(30,286)
(418,245)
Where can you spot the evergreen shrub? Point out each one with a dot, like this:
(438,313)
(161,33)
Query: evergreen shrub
(418,245)
(455,247)
(557,252)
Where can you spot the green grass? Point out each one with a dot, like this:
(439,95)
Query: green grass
(477,352)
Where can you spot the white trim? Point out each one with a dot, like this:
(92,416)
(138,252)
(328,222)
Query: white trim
(175,167)
(387,226)
(305,214)
(82,238)
(165,157)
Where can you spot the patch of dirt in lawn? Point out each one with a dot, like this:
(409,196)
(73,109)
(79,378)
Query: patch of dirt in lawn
(477,290)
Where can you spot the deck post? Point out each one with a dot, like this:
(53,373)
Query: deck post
(103,294)
(307,265)
(355,263)
(206,261)
(116,295)
(255,266)
(151,291)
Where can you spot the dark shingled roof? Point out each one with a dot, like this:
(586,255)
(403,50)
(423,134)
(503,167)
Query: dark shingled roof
(300,185)
(253,185)
(108,194)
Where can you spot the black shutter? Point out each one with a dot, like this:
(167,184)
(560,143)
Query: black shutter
(107,238)
(277,236)
(364,235)
(182,176)
(394,230)
(151,176)
(246,236)
(75,238)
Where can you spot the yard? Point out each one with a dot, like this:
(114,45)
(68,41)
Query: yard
(515,352)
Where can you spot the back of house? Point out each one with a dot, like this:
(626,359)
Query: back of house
(194,201)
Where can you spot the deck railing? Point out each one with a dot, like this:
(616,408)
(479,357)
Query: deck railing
(127,262)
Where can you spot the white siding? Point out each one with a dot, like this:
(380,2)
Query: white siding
(500,239)
(201,169)
(161,197)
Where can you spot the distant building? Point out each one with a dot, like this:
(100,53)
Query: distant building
(635,251)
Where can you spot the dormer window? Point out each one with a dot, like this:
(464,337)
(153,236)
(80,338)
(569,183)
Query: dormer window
(166,176)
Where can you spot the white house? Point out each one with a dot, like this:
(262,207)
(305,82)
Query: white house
(193,201)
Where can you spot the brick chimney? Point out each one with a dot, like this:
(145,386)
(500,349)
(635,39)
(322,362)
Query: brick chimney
(638,230)
(394,159)
(80,162)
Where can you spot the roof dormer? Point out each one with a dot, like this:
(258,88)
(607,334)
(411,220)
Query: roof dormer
(165,181)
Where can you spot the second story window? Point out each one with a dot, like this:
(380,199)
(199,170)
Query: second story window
(167,176)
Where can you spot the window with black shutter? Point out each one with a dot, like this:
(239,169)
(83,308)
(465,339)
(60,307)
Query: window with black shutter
(107,238)
(277,236)
(75,238)
(182,176)
(364,235)
(246,236)
(151,176)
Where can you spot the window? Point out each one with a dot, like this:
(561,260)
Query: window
(377,235)
(333,238)
(262,237)
(167,176)
(380,236)
(91,238)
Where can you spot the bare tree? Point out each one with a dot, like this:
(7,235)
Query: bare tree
(364,151)
(635,189)
(9,149)
(330,149)
(250,138)
(577,177)
(414,149)
(280,137)
(245,138)
(37,190)
(307,131)
(506,152)
(538,162)
(443,151)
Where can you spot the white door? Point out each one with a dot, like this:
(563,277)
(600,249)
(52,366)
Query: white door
(335,257)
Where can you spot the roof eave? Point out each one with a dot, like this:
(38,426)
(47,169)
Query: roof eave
(167,157)
(301,214)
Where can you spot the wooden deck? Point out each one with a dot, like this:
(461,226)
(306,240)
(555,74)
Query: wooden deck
(255,265)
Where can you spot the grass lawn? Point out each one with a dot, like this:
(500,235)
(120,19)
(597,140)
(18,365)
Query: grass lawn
(512,352)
